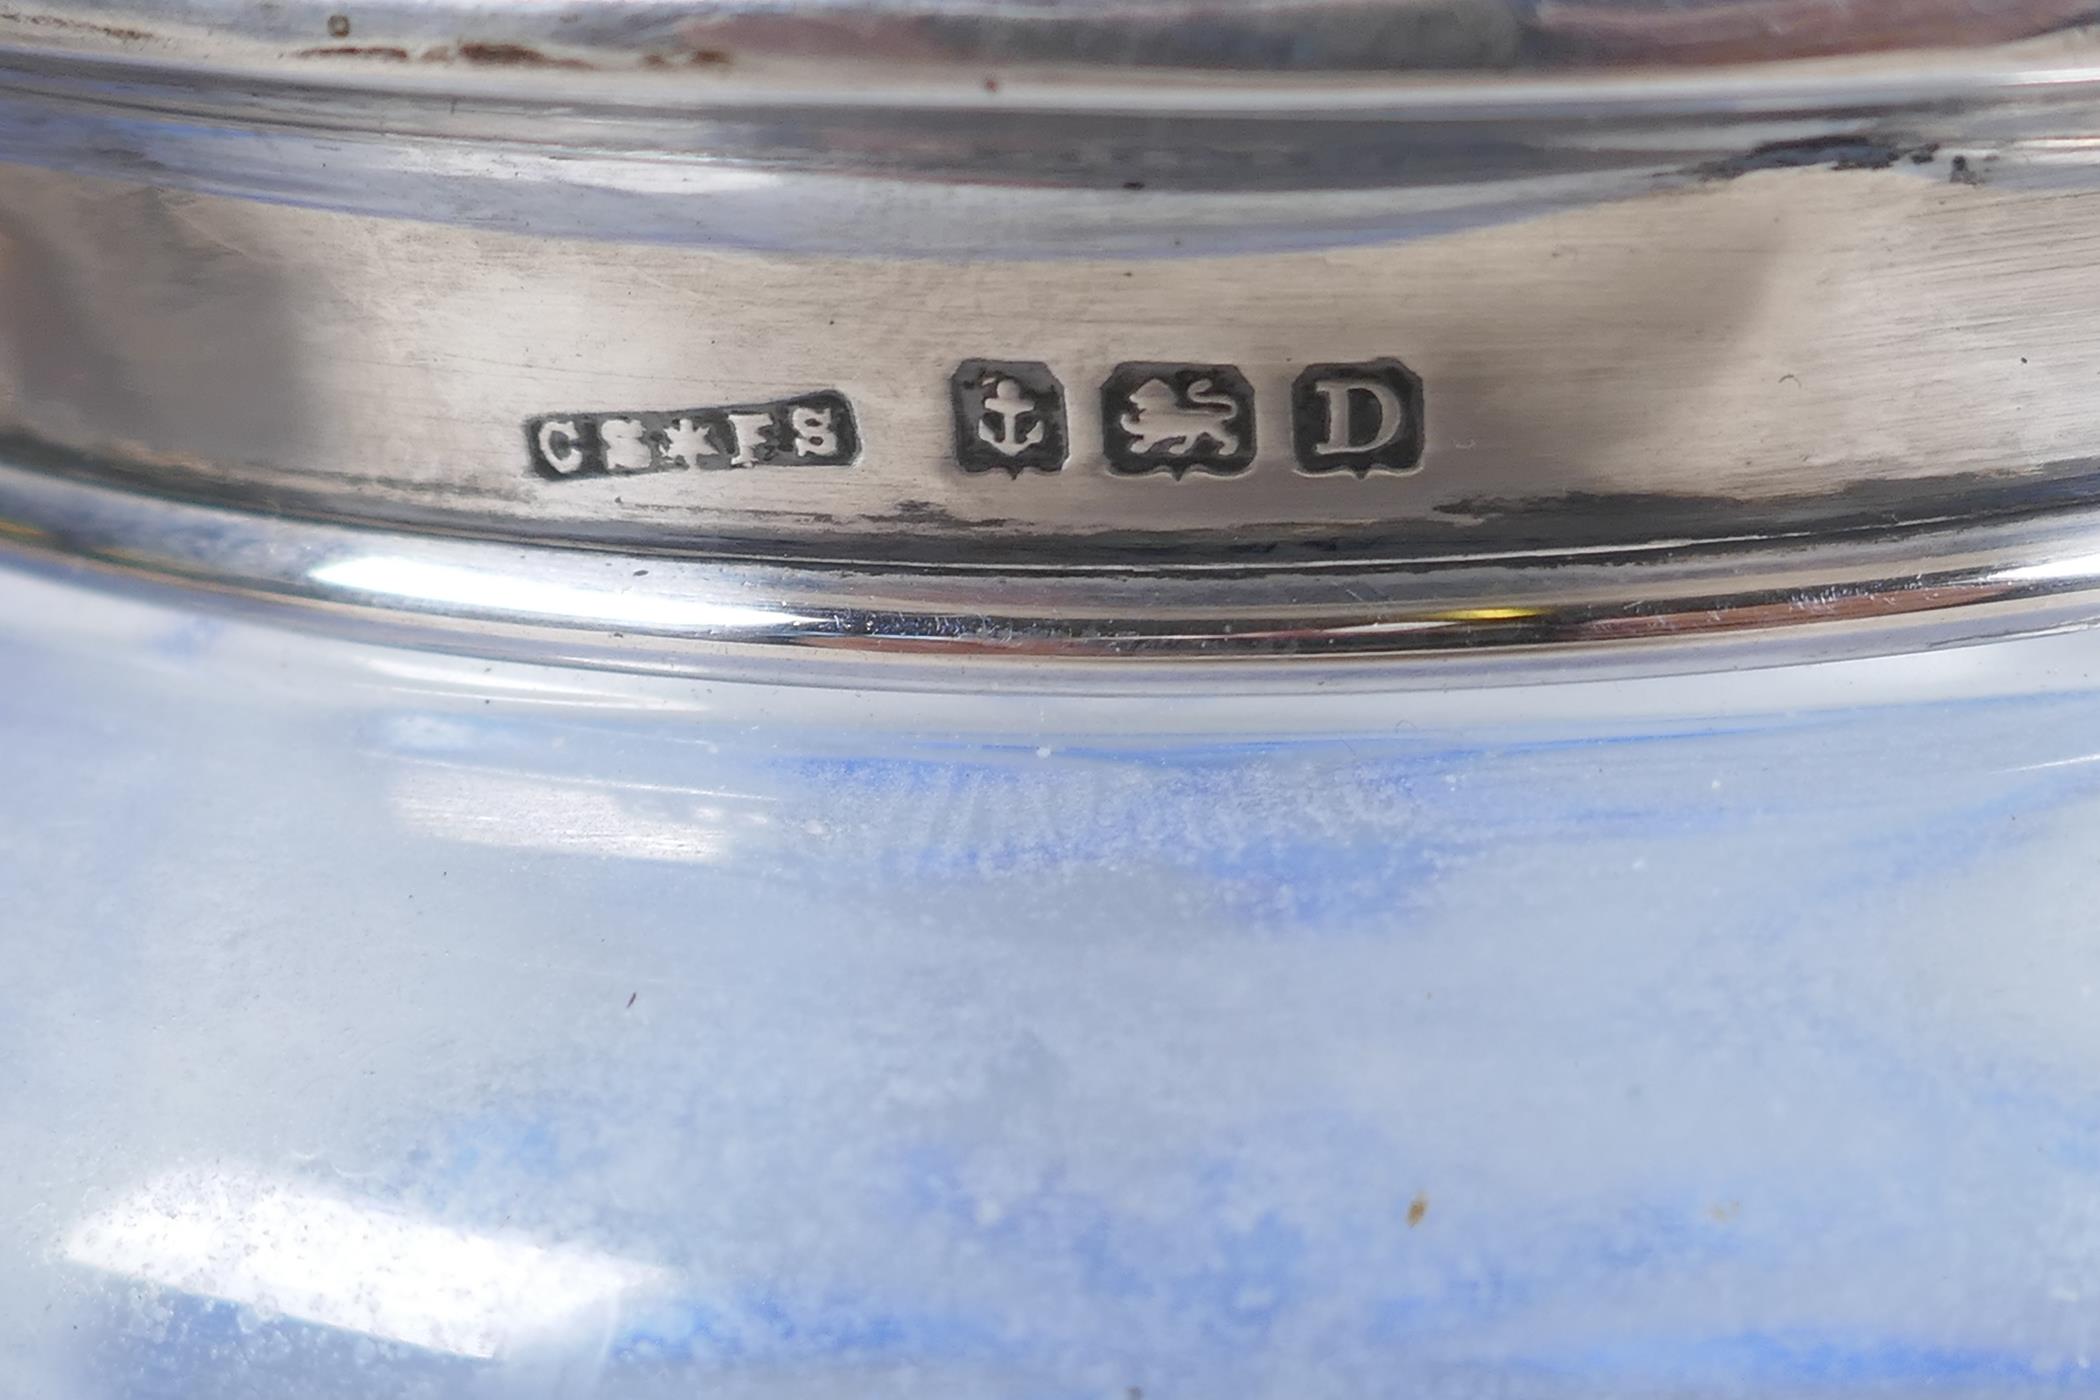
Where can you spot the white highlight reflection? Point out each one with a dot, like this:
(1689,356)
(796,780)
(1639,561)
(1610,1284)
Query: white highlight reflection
(2079,566)
(645,176)
(522,811)
(289,1249)
(418,581)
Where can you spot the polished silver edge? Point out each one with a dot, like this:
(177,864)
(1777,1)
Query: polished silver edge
(1218,56)
(317,91)
(1037,164)
(1042,162)
(1425,625)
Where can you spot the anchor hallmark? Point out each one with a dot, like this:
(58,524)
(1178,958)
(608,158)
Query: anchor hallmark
(1009,415)
(1168,419)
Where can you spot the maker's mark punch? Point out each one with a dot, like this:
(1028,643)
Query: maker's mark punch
(810,430)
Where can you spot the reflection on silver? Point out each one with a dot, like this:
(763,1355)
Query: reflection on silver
(2079,566)
(675,338)
(286,1248)
(421,583)
(1757,602)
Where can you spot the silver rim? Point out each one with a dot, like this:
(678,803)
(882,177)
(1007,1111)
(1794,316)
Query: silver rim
(1690,609)
(1011,347)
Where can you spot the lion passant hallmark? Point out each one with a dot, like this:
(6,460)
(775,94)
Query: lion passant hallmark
(1177,419)
(1158,418)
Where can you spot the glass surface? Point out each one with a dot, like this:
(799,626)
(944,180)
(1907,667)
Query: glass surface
(387,1024)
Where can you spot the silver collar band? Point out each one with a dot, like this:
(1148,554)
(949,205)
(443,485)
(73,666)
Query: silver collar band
(1088,333)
